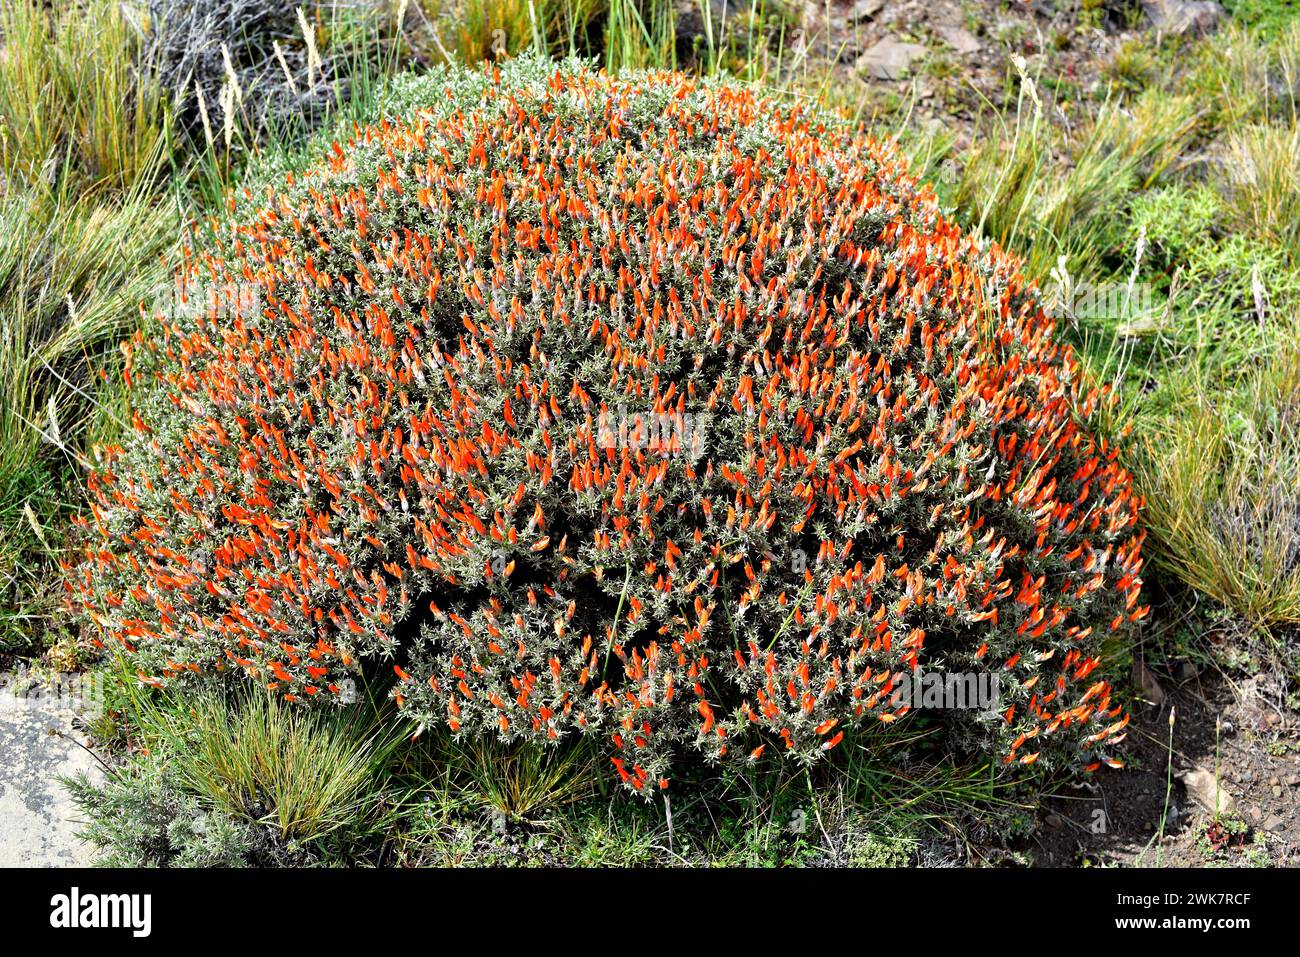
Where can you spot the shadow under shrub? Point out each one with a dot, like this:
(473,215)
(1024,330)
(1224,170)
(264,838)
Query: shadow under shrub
(634,407)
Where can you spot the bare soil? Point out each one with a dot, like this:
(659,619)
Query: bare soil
(1233,729)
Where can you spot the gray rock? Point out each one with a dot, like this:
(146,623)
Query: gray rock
(889,59)
(960,39)
(1180,17)
(37,827)
(1274,823)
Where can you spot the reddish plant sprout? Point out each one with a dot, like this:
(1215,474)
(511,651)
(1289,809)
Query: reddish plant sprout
(640,407)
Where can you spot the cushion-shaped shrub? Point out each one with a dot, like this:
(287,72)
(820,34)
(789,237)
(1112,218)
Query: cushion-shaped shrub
(641,407)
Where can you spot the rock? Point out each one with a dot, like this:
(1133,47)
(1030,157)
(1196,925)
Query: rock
(1277,792)
(1205,790)
(1183,17)
(889,59)
(1184,671)
(1255,815)
(37,826)
(865,10)
(1146,682)
(690,28)
(1293,780)
(959,38)
(1274,823)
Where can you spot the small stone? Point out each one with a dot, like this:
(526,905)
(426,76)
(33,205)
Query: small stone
(865,10)
(1274,823)
(1277,792)
(889,59)
(1205,790)
(1183,17)
(1146,682)
(1274,781)
(1293,780)
(959,38)
(1255,815)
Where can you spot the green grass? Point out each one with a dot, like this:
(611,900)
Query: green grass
(1262,184)
(888,805)
(1269,16)
(73,270)
(1048,194)
(304,773)
(1223,493)
(74,100)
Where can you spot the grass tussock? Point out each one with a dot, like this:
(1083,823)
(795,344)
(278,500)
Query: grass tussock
(1049,194)
(1262,184)
(1223,494)
(519,781)
(304,773)
(73,272)
(75,99)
